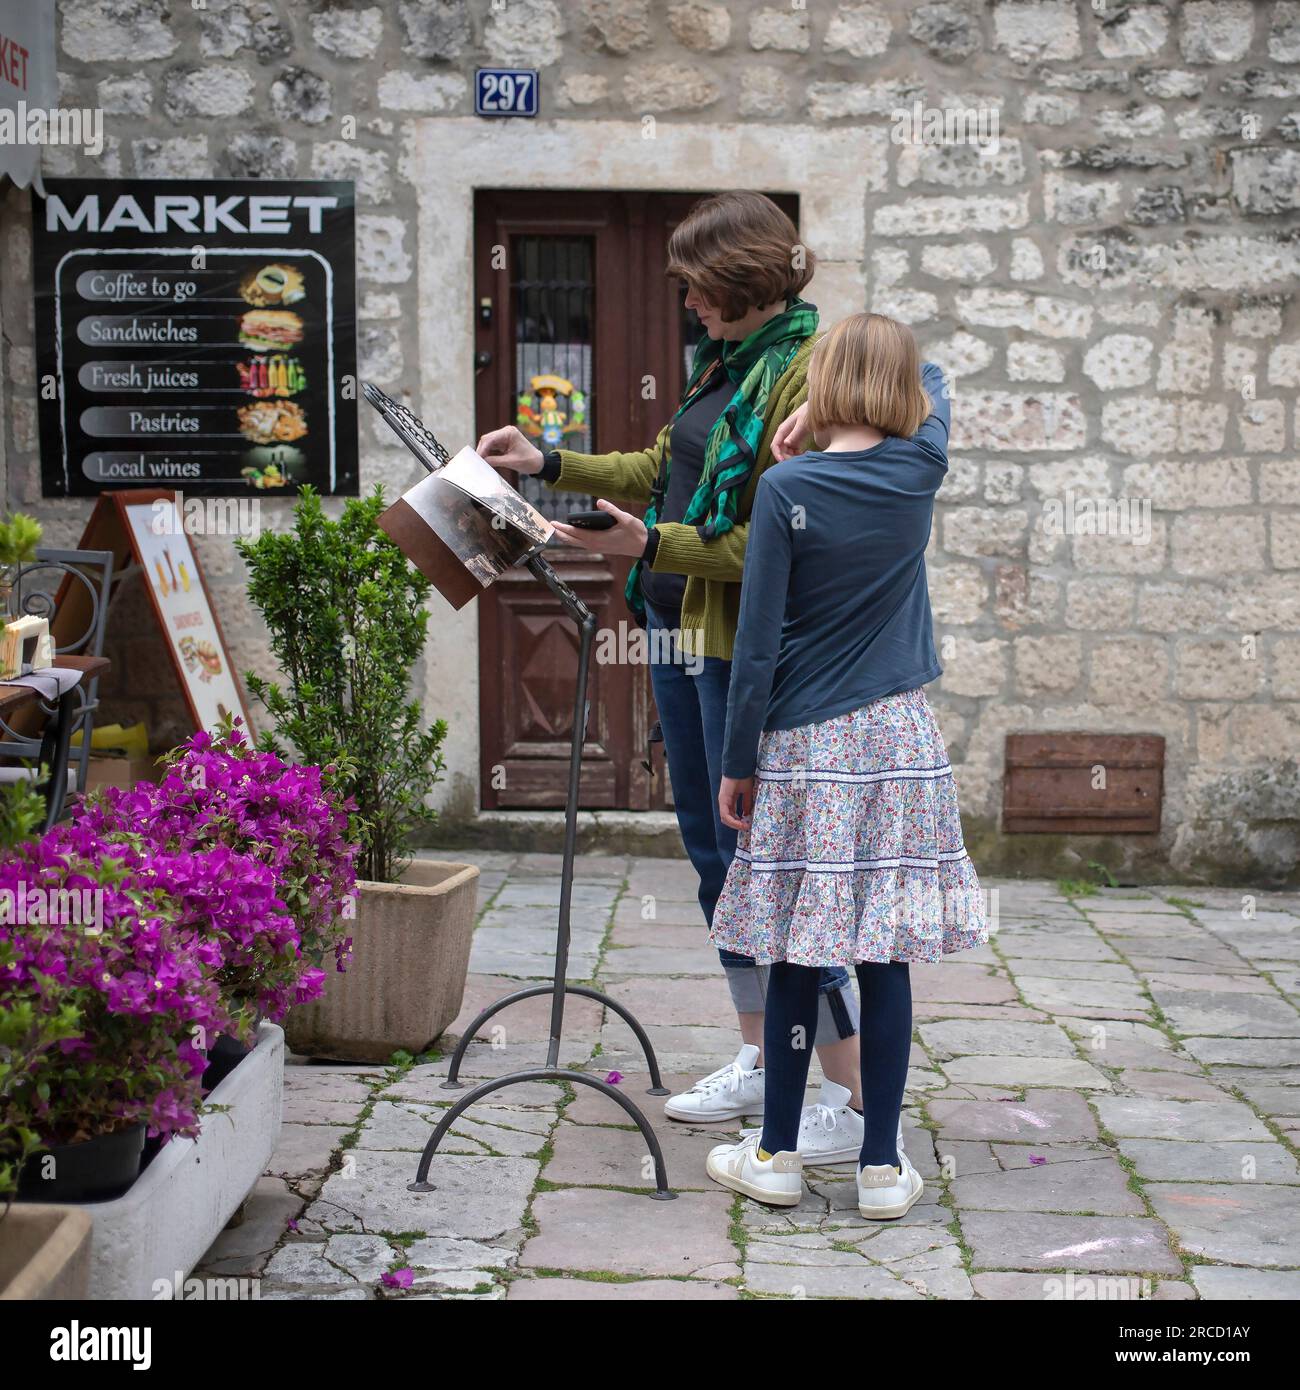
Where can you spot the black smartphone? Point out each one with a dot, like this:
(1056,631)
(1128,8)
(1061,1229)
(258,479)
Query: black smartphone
(591,521)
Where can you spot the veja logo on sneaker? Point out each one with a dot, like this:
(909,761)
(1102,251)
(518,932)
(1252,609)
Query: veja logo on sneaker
(787,1163)
(77,1343)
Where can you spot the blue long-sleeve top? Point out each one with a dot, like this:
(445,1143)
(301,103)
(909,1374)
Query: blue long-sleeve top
(834,606)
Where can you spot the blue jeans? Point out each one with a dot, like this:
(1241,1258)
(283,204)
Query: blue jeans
(691,695)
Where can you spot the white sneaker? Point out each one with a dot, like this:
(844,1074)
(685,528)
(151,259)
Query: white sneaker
(886,1193)
(777,1180)
(726,1094)
(829,1132)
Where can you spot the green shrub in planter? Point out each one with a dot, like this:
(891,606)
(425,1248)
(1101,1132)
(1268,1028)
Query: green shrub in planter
(346,618)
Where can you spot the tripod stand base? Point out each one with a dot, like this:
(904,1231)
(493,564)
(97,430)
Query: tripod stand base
(452,1083)
(661,1193)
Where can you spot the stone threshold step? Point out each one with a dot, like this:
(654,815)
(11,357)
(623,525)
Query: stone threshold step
(651,834)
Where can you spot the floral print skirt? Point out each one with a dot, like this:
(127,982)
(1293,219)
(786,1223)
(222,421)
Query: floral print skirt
(854,852)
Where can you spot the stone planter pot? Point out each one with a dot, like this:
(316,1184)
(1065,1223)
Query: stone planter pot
(182,1201)
(410,955)
(44,1253)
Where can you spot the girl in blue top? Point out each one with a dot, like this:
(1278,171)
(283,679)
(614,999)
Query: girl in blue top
(834,769)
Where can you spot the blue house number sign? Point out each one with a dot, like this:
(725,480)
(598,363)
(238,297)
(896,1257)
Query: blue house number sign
(505,92)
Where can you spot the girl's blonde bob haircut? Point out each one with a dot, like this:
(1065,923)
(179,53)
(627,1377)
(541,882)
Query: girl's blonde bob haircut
(866,371)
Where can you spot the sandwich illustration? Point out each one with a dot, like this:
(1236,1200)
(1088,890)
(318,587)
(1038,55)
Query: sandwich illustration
(270,330)
(273,284)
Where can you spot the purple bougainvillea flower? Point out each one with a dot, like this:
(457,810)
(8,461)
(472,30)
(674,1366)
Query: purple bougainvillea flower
(260,854)
(614,1078)
(398,1279)
(1037,1159)
(217,896)
(291,1226)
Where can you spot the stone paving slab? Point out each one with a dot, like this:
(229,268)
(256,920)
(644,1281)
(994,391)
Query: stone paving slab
(1023,1288)
(661,961)
(1222,1282)
(650,911)
(1167,1085)
(1090,998)
(1026,1071)
(242,1250)
(305,1148)
(958,983)
(663,935)
(537,1290)
(1046,968)
(589,1156)
(959,1037)
(425,1083)
(1050,946)
(1238,1223)
(700,1000)
(1250,1052)
(588,1228)
(482,1198)
(525,1021)
(1174,1160)
(527,966)
(1229,1015)
(995,1013)
(1043,1117)
(1035,1240)
(1137,1117)
(483,1129)
(1098,1186)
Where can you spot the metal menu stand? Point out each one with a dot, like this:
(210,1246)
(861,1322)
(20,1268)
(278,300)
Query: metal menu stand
(425,446)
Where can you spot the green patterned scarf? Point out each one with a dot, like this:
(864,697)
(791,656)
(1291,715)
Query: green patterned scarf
(754,365)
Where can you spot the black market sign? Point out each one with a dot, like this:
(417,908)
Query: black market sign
(198,334)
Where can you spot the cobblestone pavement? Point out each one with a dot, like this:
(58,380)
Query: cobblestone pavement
(1109,1091)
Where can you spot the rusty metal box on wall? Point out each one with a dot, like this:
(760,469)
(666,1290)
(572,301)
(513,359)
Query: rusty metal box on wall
(1083,784)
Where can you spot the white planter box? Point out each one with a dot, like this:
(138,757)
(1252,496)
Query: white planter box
(179,1205)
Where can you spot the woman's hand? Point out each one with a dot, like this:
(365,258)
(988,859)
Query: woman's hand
(509,448)
(626,537)
(792,435)
(736,802)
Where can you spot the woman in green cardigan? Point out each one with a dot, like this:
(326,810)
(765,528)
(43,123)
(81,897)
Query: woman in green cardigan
(743,266)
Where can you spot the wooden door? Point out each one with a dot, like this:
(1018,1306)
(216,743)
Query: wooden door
(570,287)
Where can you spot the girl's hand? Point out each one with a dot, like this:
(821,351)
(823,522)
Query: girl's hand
(509,448)
(626,537)
(736,802)
(792,435)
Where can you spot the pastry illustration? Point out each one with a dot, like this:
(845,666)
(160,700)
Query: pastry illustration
(272,422)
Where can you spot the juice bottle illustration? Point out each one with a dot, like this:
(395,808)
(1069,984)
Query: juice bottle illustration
(162,578)
(185,577)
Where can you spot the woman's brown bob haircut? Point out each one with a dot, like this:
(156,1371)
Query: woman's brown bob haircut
(739,251)
(866,371)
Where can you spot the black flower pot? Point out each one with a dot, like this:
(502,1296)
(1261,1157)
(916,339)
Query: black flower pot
(95,1170)
(224,1056)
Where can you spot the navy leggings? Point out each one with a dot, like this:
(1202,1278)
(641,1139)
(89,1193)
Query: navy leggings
(789,1026)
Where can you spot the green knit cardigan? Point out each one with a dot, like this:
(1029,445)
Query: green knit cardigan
(711,602)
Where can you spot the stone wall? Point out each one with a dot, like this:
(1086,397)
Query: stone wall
(1111,286)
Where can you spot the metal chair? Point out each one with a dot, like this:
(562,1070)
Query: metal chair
(71,585)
